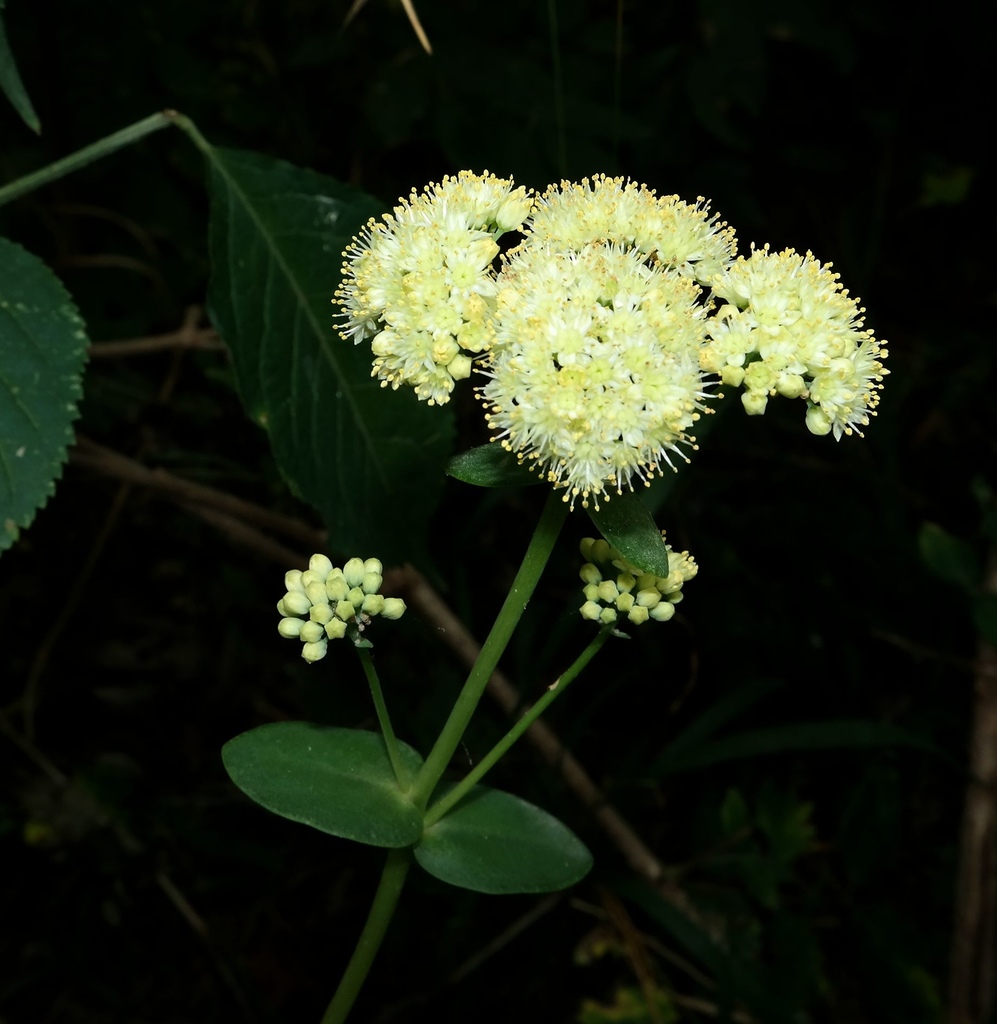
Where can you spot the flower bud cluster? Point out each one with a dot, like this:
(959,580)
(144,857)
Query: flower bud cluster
(615,587)
(325,603)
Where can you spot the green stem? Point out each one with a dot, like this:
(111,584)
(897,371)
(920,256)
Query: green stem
(402,776)
(440,808)
(87,155)
(541,545)
(385,900)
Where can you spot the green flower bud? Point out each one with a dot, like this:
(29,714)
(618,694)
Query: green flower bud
(320,564)
(625,602)
(292,580)
(732,376)
(313,652)
(290,628)
(790,385)
(355,597)
(312,632)
(662,612)
(373,565)
(321,613)
(625,581)
(353,572)
(345,610)
(608,592)
(601,551)
(585,547)
(309,576)
(591,592)
(394,608)
(590,573)
(336,588)
(372,605)
(371,582)
(460,366)
(638,615)
(296,603)
(754,402)
(316,592)
(590,610)
(818,422)
(648,598)
(607,616)
(335,629)
(647,581)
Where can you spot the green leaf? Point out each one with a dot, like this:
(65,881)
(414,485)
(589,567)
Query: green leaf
(490,465)
(626,523)
(797,736)
(985,617)
(339,781)
(371,460)
(495,842)
(948,557)
(11,84)
(43,349)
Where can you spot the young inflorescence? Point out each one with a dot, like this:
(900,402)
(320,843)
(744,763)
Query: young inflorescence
(326,603)
(616,587)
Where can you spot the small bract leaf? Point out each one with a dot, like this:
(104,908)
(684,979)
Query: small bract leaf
(628,526)
(339,781)
(43,349)
(495,842)
(490,465)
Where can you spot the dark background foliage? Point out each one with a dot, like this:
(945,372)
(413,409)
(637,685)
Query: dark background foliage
(148,890)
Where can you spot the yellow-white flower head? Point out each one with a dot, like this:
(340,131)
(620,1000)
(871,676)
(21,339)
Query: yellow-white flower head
(594,372)
(615,587)
(324,603)
(790,328)
(685,238)
(419,282)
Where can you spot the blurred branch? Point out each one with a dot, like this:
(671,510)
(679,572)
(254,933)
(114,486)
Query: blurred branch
(971,972)
(188,336)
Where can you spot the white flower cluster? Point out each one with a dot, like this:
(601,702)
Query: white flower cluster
(419,282)
(614,586)
(599,333)
(323,603)
(789,328)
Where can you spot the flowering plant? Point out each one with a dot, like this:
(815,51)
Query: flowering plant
(599,318)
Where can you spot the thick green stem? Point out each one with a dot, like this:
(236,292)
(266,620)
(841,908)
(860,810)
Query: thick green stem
(402,776)
(87,155)
(440,808)
(385,900)
(541,545)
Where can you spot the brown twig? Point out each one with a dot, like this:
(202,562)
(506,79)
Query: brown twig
(971,972)
(111,463)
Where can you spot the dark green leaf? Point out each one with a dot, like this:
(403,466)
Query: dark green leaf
(718,714)
(946,556)
(43,349)
(495,842)
(629,527)
(798,736)
(11,84)
(370,459)
(985,617)
(490,465)
(339,781)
